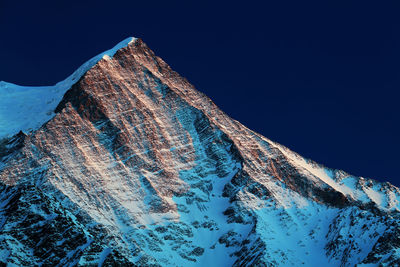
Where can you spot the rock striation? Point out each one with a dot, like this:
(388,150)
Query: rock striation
(138,168)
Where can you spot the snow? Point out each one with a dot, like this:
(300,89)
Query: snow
(103,256)
(374,195)
(304,229)
(4,255)
(195,229)
(27,108)
(350,186)
(216,253)
(296,231)
(322,174)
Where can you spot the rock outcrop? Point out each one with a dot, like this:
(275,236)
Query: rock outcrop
(137,167)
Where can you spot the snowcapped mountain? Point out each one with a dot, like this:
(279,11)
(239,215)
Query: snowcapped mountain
(125,163)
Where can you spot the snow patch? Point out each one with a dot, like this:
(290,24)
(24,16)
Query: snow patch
(103,256)
(350,186)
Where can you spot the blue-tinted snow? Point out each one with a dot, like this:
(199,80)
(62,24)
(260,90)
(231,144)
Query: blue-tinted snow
(27,108)
(103,256)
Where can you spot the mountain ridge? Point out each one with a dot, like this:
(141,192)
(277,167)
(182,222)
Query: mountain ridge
(43,98)
(145,169)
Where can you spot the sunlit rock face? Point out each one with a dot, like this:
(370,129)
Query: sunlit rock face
(137,167)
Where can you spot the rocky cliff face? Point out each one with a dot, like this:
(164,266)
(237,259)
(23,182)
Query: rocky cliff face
(137,167)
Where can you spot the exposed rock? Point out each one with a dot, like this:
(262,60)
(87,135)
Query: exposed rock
(137,167)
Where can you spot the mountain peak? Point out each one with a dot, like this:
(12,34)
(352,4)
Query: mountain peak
(137,167)
(26,108)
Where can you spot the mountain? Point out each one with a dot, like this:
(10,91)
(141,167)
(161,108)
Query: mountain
(125,163)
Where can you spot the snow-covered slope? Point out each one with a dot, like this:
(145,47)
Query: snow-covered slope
(137,167)
(26,108)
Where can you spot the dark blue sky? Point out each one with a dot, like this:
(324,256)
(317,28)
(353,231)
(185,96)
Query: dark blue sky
(321,77)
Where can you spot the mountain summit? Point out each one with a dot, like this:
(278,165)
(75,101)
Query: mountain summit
(131,165)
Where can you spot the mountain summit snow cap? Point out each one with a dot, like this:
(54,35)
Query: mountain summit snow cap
(27,108)
(91,62)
